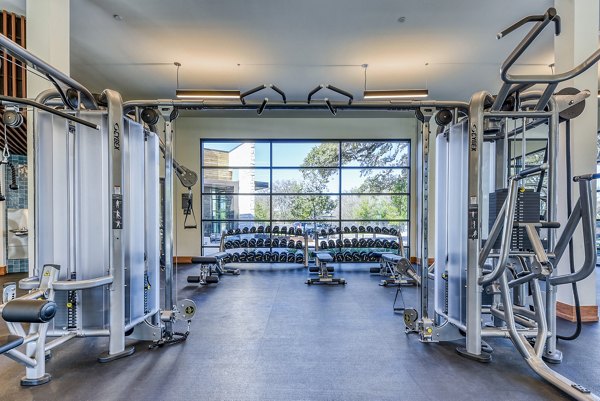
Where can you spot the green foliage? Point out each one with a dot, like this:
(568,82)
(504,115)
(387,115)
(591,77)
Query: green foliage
(261,208)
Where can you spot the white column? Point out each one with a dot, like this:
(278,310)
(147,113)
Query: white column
(579,39)
(48,37)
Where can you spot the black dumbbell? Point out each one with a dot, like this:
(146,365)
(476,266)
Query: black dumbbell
(347,243)
(323,232)
(346,229)
(354,229)
(282,243)
(298,231)
(228,244)
(299,258)
(377,229)
(283,230)
(267,256)
(252,230)
(259,256)
(331,243)
(323,245)
(393,231)
(299,244)
(235,244)
(385,230)
(362,243)
(354,242)
(283,256)
(339,243)
(385,244)
(331,231)
(355,257)
(227,259)
(338,230)
(275,229)
(370,242)
(260,243)
(230,232)
(275,243)
(251,256)
(364,257)
(260,229)
(267,242)
(339,257)
(267,229)
(347,256)
(252,243)
(244,243)
(274,256)
(374,257)
(238,231)
(245,230)
(361,229)
(291,258)
(244,256)
(369,229)
(235,257)
(377,243)
(291,244)
(393,244)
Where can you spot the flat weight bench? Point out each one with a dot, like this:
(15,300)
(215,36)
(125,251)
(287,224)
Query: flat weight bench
(398,269)
(211,267)
(322,258)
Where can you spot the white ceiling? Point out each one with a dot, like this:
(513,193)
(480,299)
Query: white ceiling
(239,44)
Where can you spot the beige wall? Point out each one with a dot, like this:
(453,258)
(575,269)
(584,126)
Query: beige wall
(189,130)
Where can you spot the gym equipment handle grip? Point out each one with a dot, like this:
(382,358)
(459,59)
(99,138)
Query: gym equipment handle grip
(532,170)
(586,177)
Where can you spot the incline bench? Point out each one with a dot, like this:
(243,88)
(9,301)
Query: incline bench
(322,258)
(398,269)
(211,267)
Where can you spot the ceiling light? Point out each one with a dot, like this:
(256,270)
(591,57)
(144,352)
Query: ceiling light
(207,94)
(395,94)
(402,19)
(117,17)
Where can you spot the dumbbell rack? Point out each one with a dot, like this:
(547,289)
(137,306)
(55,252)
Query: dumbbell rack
(270,248)
(343,238)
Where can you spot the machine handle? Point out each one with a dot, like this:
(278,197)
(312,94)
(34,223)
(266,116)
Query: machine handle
(531,171)
(586,177)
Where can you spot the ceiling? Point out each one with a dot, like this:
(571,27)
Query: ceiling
(297,45)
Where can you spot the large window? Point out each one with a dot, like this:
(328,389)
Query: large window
(307,184)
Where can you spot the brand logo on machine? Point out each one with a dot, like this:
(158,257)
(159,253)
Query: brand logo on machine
(474,138)
(116,137)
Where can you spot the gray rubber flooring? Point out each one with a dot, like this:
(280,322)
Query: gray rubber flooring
(265,335)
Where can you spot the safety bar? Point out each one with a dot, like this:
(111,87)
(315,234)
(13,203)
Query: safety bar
(38,64)
(65,285)
(28,102)
(584,210)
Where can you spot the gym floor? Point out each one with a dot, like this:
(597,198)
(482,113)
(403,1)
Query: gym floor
(265,335)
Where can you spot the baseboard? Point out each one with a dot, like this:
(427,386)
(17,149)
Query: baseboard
(567,312)
(417,261)
(181,260)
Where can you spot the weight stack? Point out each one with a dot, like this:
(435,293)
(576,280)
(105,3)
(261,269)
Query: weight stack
(527,211)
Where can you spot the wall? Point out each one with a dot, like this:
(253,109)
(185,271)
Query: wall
(16,200)
(189,130)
